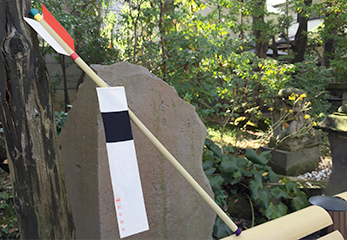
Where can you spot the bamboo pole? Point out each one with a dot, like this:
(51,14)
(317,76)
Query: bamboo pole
(141,126)
(295,225)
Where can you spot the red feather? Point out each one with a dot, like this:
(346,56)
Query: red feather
(57,27)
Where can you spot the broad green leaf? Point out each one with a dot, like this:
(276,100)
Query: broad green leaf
(220,229)
(237,174)
(216,181)
(213,147)
(208,155)
(299,202)
(242,163)
(229,164)
(261,195)
(229,179)
(210,171)
(229,149)
(273,212)
(207,164)
(274,177)
(266,155)
(277,192)
(246,173)
(298,198)
(252,156)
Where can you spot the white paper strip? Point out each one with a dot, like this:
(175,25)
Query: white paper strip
(126,183)
(125,177)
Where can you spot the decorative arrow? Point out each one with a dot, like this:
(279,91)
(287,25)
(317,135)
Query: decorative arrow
(53,30)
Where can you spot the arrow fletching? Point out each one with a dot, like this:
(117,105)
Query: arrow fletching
(45,35)
(56,26)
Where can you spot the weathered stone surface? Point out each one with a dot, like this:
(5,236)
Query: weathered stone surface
(293,163)
(336,126)
(337,180)
(174,209)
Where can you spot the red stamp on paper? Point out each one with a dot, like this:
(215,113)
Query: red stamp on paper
(117,200)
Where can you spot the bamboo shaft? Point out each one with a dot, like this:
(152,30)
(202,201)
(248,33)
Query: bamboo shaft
(146,132)
(183,172)
(295,225)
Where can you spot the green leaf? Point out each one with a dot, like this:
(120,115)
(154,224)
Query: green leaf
(262,196)
(274,177)
(266,155)
(4,196)
(261,159)
(208,155)
(210,171)
(228,164)
(220,229)
(228,149)
(213,147)
(229,179)
(216,181)
(277,192)
(298,198)
(299,202)
(246,173)
(207,165)
(273,212)
(237,174)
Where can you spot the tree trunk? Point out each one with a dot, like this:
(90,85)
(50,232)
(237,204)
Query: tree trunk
(329,43)
(261,45)
(66,91)
(274,47)
(3,154)
(300,41)
(330,29)
(26,113)
(329,50)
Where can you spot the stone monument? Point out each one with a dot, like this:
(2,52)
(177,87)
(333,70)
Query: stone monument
(294,144)
(336,126)
(174,209)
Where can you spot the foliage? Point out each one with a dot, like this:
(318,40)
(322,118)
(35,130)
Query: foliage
(313,80)
(60,119)
(291,127)
(8,219)
(84,21)
(271,195)
(199,55)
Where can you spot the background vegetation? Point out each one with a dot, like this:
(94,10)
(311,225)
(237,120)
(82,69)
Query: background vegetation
(214,54)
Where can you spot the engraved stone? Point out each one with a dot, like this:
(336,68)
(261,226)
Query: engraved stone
(174,209)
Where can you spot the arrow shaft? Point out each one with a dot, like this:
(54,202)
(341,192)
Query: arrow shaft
(143,129)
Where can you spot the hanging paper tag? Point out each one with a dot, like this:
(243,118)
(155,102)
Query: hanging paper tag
(125,177)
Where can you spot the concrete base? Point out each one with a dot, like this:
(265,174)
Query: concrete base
(293,163)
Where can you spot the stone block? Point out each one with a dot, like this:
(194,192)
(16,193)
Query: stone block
(293,163)
(174,209)
(337,180)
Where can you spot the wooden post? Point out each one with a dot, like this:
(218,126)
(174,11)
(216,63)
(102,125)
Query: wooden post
(27,117)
